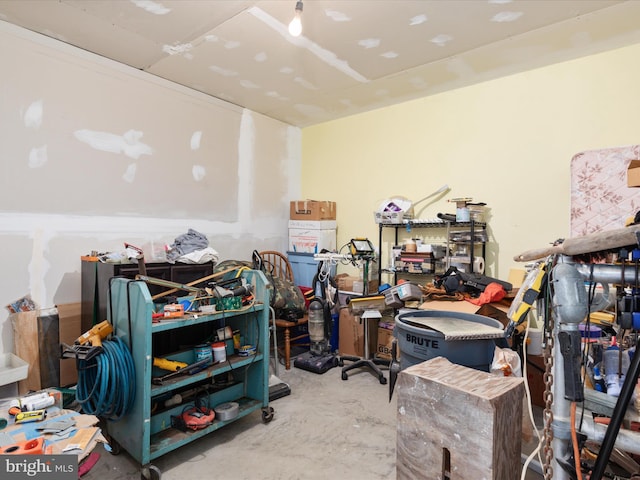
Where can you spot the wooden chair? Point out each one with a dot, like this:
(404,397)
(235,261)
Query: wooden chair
(278,265)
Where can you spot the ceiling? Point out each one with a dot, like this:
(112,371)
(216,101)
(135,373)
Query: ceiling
(352,56)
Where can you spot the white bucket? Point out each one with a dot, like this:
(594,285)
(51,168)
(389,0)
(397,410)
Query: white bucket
(534,346)
(219,352)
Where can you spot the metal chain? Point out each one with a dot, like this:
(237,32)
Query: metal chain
(547,467)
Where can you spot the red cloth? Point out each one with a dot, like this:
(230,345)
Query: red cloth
(308,294)
(88,464)
(494,292)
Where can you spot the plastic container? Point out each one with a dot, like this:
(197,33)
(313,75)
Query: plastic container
(593,331)
(419,344)
(12,368)
(219,352)
(476,212)
(615,368)
(305,267)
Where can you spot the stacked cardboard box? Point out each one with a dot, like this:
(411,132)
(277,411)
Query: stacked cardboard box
(312,226)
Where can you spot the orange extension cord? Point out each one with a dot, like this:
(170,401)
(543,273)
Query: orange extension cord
(574,440)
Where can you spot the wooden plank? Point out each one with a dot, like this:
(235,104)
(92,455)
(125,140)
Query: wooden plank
(457,423)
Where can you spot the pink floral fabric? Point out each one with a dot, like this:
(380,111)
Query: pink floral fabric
(600,197)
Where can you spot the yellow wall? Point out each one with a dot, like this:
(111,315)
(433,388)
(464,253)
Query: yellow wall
(506,142)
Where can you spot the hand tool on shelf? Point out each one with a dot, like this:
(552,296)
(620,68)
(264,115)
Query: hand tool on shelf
(174,287)
(89,344)
(189,369)
(166,364)
(213,290)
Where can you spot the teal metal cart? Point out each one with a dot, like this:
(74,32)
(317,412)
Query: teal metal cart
(146,432)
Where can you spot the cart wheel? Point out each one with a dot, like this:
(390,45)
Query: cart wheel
(345,376)
(383,380)
(150,472)
(113,447)
(336,362)
(267,414)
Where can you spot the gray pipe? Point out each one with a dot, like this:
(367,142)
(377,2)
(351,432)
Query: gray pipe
(607,273)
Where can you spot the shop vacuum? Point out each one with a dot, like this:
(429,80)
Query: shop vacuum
(319,358)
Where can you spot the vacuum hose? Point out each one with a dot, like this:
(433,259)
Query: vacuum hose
(106,383)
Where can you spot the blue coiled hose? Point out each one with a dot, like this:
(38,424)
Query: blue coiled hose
(107,383)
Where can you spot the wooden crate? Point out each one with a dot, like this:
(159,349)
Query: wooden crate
(457,423)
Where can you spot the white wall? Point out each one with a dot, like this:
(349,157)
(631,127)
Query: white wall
(507,142)
(94,154)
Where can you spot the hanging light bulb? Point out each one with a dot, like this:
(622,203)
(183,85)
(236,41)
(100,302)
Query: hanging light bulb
(295,27)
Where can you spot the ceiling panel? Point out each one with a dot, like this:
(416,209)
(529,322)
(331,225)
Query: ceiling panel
(353,55)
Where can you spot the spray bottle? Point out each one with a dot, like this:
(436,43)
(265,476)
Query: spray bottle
(598,381)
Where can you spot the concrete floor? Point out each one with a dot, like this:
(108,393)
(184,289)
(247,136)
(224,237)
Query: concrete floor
(326,428)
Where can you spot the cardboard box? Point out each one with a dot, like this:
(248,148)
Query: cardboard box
(345,282)
(37,336)
(314,224)
(394,211)
(517,277)
(70,318)
(350,334)
(385,339)
(633,173)
(463,306)
(312,210)
(355,284)
(389,218)
(372,286)
(35,340)
(311,241)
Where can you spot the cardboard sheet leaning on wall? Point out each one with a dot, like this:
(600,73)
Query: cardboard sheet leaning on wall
(36,338)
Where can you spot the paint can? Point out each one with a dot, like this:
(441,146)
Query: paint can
(202,352)
(219,352)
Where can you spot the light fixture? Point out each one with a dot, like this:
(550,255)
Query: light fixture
(295,27)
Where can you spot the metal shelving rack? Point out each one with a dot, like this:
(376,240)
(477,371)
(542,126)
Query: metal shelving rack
(409,225)
(147,433)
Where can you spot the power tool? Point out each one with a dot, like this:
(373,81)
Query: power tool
(166,364)
(89,344)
